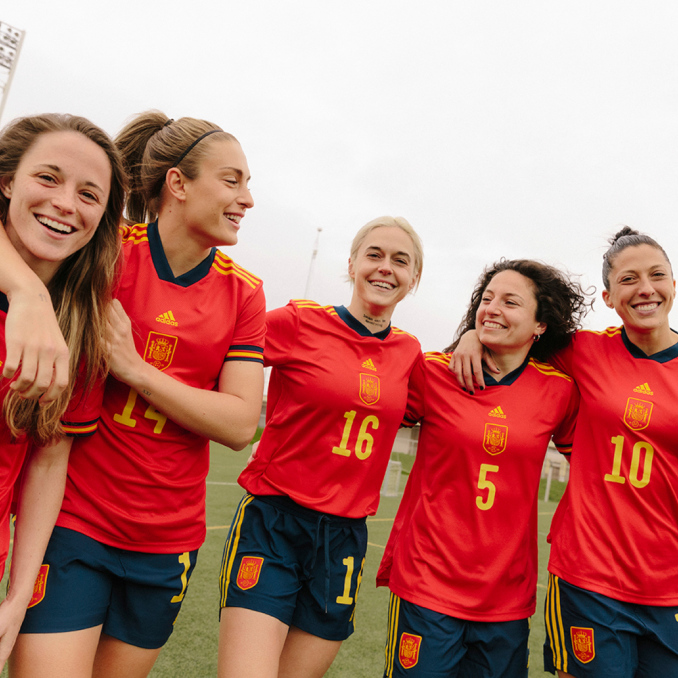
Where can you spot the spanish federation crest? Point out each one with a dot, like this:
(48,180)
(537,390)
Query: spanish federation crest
(408,651)
(495,438)
(637,414)
(248,574)
(40,586)
(370,389)
(582,644)
(160,350)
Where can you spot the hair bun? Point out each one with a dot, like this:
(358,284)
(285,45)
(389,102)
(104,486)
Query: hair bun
(627,230)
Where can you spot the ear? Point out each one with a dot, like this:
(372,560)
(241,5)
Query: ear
(540,328)
(6,186)
(413,282)
(351,270)
(176,181)
(608,301)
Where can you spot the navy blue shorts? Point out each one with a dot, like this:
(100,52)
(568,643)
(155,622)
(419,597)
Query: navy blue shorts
(422,643)
(295,564)
(589,634)
(83,583)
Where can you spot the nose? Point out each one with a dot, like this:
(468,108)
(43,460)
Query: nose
(385,266)
(492,307)
(64,199)
(245,199)
(645,286)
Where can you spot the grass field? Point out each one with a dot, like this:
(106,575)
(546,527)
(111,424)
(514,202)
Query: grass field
(192,649)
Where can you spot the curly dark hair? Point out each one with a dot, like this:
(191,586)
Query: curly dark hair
(627,237)
(561,304)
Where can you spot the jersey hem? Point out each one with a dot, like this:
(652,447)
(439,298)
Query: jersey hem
(458,613)
(76,525)
(623,596)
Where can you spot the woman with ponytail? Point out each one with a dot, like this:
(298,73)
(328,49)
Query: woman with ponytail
(185,335)
(61,198)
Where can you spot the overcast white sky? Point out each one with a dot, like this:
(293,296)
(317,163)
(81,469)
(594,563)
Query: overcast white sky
(521,129)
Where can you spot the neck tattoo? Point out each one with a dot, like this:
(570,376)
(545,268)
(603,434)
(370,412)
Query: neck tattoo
(376,322)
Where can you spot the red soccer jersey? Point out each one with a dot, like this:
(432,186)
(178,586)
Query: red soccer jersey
(140,483)
(335,401)
(615,531)
(464,542)
(79,420)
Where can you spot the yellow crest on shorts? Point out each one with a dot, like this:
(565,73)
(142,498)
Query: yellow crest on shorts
(495,438)
(408,651)
(248,574)
(370,388)
(40,586)
(160,350)
(637,414)
(582,644)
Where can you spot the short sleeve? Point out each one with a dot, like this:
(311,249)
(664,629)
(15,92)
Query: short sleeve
(282,326)
(250,330)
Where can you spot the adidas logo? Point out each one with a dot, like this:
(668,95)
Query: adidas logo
(167,318)
(369,365)
(644,389)
(497,412)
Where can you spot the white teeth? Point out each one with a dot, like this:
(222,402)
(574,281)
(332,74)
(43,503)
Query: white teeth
(55,225)
(646,307)
(234,217)
(380,283)
(493,326)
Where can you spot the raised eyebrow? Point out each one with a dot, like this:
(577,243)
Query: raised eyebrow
(57,169)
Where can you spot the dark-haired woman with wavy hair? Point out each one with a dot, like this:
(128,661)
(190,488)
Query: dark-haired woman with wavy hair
(185,334)
(461,561)
(61,198)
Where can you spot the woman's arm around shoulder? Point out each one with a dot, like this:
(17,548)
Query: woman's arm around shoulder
(36,350)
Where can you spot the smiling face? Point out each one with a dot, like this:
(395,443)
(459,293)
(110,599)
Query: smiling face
(217,199)
(383,269)
(57,198)
(642,289)
(506,319)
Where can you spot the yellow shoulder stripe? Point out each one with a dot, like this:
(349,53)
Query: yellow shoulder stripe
(548,370)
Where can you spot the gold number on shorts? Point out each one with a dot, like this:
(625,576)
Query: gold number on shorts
(185,560)
(345,599)
(485,484)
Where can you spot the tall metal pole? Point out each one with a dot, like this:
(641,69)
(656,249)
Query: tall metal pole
(11,40)
(310,268)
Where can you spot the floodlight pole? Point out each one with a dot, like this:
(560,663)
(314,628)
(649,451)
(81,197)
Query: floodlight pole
(11,40)
(310,268)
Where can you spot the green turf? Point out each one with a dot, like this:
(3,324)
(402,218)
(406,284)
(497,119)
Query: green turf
(192,649)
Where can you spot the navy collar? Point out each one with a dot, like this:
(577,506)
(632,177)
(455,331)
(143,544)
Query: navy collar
(4,303)
(358,327)
(660,357)
(162,267)
(508,379)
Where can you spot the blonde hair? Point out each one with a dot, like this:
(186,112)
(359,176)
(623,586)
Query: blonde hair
(398,222)
(82,286)
(151,144)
